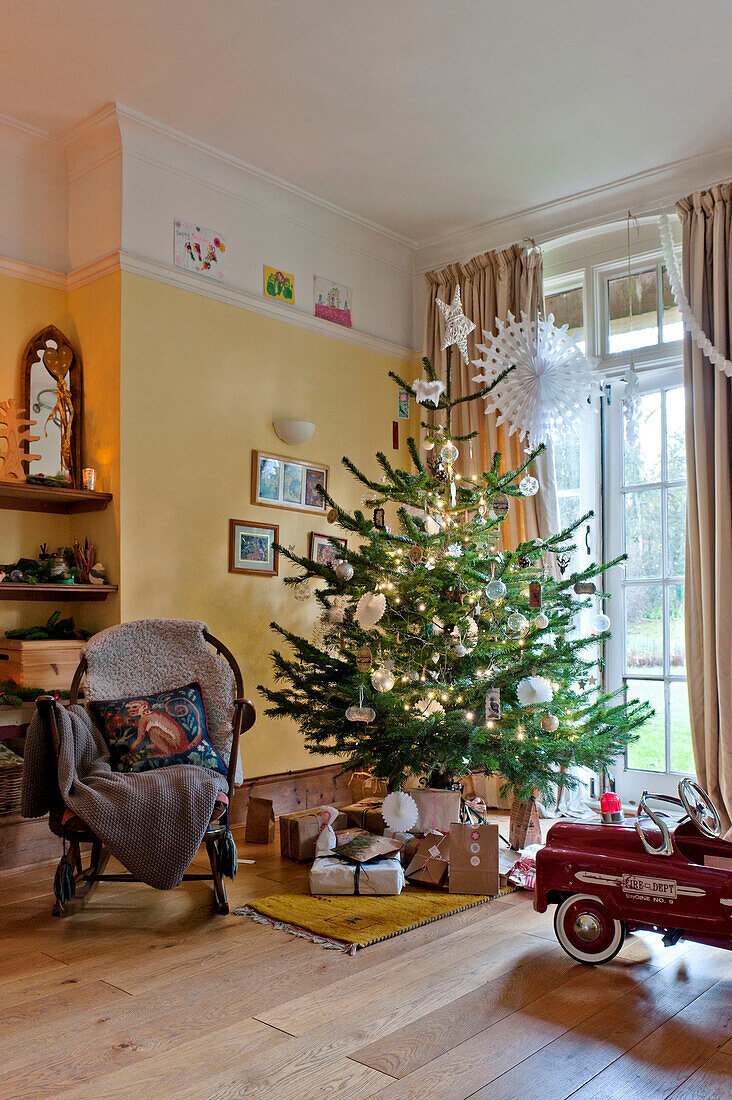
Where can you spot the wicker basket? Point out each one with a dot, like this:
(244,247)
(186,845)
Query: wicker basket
(11,782)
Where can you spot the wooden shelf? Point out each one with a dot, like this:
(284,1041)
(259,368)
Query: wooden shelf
(55,592)
(23,497)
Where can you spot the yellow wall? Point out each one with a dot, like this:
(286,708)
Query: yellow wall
(201,383)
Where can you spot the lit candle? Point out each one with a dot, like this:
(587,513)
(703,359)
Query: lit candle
(89,478)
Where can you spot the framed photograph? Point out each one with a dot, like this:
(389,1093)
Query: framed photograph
(279,482)
(322,551)
(403,405)
(252,549)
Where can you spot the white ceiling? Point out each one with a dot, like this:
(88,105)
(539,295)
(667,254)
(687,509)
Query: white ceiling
(426,117)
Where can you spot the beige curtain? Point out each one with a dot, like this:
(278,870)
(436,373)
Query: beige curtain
(491,286)
(706,219)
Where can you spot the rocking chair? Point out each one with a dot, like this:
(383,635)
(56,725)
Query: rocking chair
(75,832)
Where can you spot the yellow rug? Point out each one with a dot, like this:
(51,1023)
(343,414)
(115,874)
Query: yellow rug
(347,923)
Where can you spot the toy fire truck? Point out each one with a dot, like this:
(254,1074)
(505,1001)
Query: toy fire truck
(610,879)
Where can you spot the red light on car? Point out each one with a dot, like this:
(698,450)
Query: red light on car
(611,808)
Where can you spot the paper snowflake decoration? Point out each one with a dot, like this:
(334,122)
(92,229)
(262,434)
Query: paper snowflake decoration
(549,386)
(457,325)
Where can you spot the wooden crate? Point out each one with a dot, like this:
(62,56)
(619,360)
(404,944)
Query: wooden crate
(49,665)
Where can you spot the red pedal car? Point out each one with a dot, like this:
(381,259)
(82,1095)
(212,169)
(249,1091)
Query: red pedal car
(607,880)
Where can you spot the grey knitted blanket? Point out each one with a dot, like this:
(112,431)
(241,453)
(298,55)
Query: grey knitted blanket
(152,822)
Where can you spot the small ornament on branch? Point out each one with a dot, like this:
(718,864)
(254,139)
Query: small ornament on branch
(370,609)
(534,690)
(360,713)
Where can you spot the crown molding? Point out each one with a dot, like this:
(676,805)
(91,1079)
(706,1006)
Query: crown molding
(26,128)
(29,273)
(648,193)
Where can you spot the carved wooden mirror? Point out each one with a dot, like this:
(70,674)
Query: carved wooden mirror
(52,397)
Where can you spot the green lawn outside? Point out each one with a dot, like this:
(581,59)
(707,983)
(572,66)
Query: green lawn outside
(649,751)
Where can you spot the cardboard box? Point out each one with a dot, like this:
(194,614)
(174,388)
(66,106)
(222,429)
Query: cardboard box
(260,826)
(488,787)
(299,831)
(43,664)
(474,860)
(344,835)
(366,814)
(329,875)
(430,862)
(438,809)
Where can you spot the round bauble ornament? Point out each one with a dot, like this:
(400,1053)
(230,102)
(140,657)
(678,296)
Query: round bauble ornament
(601,623)
(541,621)
(460,651)
(369,609)
(415,555)
(495,590)
(303,591)
(344,570)
(529,486)
(448,453)
(517,623)
(400,811)
(332,515)
(533,690)
(550,723)
(382,679)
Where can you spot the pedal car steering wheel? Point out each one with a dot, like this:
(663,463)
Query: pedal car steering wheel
(700,809)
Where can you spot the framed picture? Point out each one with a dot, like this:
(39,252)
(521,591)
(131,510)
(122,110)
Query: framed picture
(252,549)
(322,551)
(279,482)
(403,405)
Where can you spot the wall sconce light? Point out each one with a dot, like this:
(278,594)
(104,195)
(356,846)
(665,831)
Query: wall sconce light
(293,432)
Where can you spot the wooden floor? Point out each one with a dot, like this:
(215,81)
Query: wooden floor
(150,994)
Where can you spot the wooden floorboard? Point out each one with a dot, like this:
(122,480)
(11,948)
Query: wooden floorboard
(147,993)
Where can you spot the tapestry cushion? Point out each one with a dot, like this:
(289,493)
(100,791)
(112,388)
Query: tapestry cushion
(154,731)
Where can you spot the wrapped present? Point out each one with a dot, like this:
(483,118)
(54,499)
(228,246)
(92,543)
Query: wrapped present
(409,850)
(344,835)
(366,785)
(366,814)
(430,862)
(437,809)
(260,827)
(329,875)
(523,826)
(363,848)
(299,831)
(474,859)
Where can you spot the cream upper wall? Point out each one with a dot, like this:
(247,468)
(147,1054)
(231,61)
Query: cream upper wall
(201,382)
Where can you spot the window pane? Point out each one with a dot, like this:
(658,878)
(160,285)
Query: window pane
(676,524)
(567,308)
(567,463)
(644,628)
(570,510)
(673,326)
(677,641)
(642,439)
(645,317)
(643,533)
(675,434)
(682,757)
(649,751)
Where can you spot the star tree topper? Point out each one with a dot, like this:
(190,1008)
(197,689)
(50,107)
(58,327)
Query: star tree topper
(457,325)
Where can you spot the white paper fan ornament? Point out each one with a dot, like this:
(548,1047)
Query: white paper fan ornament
(370,608)
(547,390)
(400,811)
(534,690)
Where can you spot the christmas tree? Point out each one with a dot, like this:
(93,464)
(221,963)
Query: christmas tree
(437,652)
